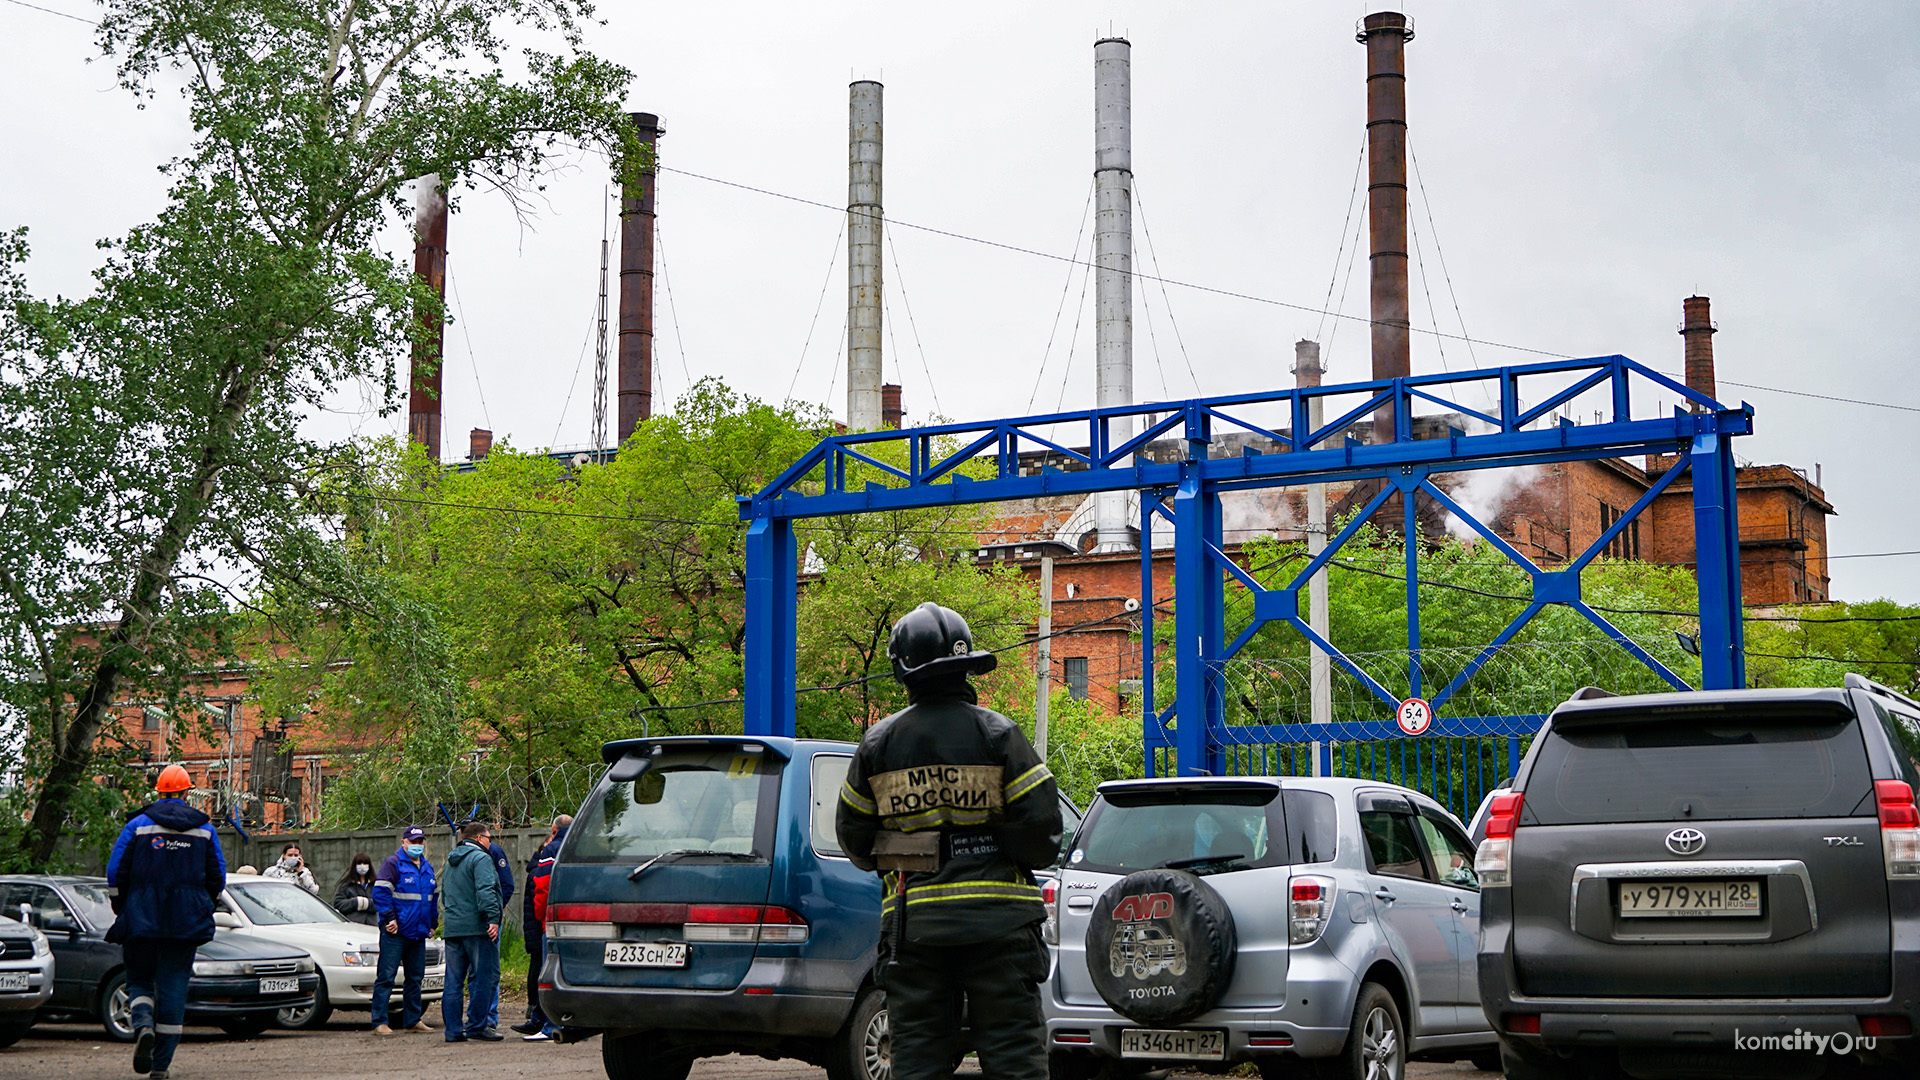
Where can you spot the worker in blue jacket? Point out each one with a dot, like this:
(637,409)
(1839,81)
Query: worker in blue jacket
(505,869)
(164,874)
(404,895)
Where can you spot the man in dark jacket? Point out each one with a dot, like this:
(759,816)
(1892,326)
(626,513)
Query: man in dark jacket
(950,800)
(164,874)
(538,1027)
(405,895)
(471,891)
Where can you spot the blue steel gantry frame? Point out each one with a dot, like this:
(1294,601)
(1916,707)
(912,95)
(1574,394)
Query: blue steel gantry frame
(1701,438)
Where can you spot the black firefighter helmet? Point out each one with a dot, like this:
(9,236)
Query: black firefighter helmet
(931,641)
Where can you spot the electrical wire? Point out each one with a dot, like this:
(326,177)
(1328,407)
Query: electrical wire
(50,11)
(472,362)
(1165,301)
(1353,197)
(817,305)
(907,302)
(673,311)
(1066,287)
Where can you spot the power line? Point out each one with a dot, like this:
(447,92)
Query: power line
(1070,259)
(50,11)
(1822,397)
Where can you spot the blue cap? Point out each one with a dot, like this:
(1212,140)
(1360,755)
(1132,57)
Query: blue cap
(414,832)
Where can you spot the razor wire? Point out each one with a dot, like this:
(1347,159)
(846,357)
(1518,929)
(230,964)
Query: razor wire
(371,793)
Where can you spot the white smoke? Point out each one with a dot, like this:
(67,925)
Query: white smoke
(428,201)
(1485,492)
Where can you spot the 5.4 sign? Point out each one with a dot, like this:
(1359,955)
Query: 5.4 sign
(1414,716)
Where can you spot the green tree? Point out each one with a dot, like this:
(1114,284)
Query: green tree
(151,431)
(577,606)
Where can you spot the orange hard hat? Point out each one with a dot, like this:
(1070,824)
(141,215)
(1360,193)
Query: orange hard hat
(172,778)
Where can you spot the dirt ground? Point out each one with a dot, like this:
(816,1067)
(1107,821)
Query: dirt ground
(347,1051)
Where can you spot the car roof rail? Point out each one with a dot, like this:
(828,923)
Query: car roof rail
(1590,693)
(1856,681)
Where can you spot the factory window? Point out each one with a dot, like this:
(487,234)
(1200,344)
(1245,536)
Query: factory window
(1627,544)
(1076,670)
(150,718)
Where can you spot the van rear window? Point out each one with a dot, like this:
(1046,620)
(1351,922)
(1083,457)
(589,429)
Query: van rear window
(702,798)
(1679,771)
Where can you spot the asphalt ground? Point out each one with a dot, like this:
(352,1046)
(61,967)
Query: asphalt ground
(346,1050)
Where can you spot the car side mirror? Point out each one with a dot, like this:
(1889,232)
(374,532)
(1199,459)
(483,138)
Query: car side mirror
(227,919)
(60,924)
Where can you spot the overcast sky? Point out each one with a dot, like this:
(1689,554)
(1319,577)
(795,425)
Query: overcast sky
(1585,166)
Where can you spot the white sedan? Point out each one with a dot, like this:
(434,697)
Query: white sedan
(347,952)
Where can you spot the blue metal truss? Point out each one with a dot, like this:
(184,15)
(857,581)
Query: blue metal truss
(981,462)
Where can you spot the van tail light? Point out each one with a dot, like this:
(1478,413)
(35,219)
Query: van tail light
(590,922)
(1899,828)
(744,924)
(1496,851)
(1884,1027)
(1310,904)
(1050,898)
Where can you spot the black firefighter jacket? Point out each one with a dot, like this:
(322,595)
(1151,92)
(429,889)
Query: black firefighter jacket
(947,765)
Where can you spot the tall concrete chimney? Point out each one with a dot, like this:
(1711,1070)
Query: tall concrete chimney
(636,288)
(1113,257)
(1307,372)
(1385,34)
(892,411)
(430,265)
(1698,329)
(865,221)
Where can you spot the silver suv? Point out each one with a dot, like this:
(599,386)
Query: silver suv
(1282,921)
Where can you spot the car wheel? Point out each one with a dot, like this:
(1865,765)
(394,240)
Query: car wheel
(1376,1043)
(308,1017)
(631,1058)
(116,1009)
(13,1032)
(863,1049)
(247,1026)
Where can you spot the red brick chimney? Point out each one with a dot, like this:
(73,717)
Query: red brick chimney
(1385,35)
(479,443)
(891,411)
(1698,329)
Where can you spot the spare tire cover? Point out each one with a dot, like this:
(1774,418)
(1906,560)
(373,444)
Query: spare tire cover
(1160,946)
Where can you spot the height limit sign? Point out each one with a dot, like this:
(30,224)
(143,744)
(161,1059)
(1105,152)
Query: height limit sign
(1415,716)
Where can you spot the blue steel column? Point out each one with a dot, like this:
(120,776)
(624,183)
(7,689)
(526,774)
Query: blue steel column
(1199,622)
(1148,500)
(772,603)
(1716,542)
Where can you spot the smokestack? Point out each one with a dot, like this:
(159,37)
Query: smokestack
(479,444)
(892,412)
(430,265)
(1113,256)
(864,223)
(1385,35)
(1698,329)
(636,287)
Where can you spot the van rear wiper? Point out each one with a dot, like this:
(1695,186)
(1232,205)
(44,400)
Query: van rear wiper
(676,853)
(1200,861)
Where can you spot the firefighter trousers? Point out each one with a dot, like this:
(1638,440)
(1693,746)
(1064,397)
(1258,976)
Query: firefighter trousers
(997,980)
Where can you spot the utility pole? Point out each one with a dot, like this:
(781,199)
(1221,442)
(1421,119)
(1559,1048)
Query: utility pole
(1043,667)
(1307,372)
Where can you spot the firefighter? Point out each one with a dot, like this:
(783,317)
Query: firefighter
(949,801)
(165,872)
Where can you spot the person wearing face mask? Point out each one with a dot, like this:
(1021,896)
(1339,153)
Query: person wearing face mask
(292,867)
(353,897)
(408,911)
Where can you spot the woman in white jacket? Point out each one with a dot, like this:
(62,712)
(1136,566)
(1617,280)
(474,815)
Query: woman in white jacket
(293,868)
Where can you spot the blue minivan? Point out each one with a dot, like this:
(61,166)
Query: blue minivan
(701,906)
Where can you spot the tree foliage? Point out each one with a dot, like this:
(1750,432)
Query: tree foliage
(157,474)
(567,607)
